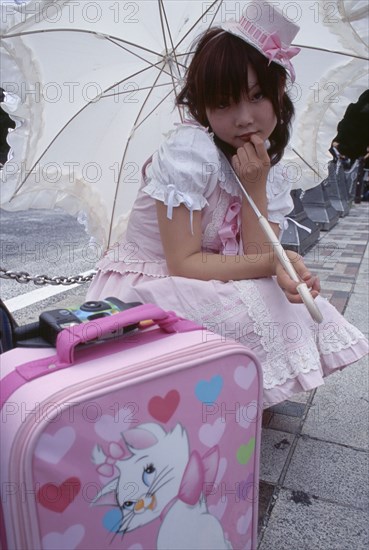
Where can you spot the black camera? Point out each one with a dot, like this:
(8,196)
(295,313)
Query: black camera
(52,322)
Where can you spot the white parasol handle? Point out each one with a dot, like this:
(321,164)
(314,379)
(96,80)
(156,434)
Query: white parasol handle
(302,288)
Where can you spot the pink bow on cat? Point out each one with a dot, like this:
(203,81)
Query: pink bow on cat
(198,477)
(115,452)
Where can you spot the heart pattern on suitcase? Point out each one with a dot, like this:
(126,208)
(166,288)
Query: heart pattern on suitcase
(244,452)
(211,434)
(163,408)
(245,488)
(219,508)
(58,497)
(209,391)
(244,521)
(244,376)
(69,539)
(52,448)
(109,426)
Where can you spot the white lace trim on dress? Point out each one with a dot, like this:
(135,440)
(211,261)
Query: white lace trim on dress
(333,338)
(281,364)
(227,180)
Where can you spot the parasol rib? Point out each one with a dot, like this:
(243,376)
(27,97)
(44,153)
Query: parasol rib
(162,11)
(199,19)
(102,35)
(112,41)
(137,90)
(315,48)
(305,161)
(136,126)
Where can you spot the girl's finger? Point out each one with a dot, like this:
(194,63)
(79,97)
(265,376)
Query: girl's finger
(309,281)
(235,161)
(249,151)
(315,285)
(312,282)
(245,152)
(296,298)
(286,283)
(236,165)
(259,147)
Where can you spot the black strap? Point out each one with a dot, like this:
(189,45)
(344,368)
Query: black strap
(8,326)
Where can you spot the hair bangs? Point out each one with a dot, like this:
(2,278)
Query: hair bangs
(227,79)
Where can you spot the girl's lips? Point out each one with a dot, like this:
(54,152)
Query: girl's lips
(246,137)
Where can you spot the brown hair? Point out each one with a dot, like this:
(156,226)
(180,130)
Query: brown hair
(219,70)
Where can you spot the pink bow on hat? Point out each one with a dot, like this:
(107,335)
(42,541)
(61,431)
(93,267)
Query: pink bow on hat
(273,49)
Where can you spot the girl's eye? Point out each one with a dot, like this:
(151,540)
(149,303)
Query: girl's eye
(148,474)
(128,505)
(224,104)
(258,96)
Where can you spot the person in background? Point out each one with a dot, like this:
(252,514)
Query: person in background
(353,131)
(5,124)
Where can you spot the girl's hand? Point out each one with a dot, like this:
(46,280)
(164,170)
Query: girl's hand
(288,285)
(252,164)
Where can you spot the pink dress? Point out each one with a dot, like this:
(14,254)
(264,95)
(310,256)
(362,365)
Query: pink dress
(189,169)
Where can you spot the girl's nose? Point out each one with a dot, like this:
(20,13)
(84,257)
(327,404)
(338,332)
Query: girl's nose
(244,114)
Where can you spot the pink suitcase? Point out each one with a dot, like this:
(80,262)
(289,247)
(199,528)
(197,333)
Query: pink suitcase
(147,441)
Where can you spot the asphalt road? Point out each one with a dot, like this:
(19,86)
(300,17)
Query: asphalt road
(43,242)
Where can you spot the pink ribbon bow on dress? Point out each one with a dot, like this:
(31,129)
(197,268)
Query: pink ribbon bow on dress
(229,232)
(273,49)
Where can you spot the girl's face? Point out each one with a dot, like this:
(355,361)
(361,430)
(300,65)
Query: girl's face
(234,123)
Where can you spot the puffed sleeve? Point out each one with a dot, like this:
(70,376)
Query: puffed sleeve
(279,198)
(184,170)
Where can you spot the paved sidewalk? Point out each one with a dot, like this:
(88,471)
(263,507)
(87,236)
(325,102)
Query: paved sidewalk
(314,490)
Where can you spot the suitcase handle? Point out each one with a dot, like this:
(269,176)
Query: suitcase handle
(69,338)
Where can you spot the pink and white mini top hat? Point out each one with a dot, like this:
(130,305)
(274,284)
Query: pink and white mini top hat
(265,28)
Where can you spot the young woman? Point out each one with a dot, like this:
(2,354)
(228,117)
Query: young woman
(193,244)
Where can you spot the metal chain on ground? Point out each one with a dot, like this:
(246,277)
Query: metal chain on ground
(23,277)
